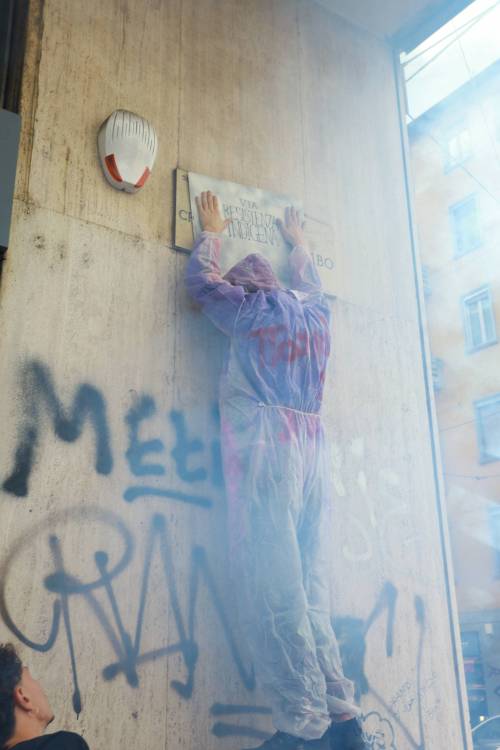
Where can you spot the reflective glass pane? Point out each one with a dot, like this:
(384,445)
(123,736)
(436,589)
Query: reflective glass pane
(453,119)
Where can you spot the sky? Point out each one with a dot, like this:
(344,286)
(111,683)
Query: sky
(472,43)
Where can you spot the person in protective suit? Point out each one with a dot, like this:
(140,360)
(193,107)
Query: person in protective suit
(277,479)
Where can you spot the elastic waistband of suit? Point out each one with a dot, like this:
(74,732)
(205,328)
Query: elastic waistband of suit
(289,408)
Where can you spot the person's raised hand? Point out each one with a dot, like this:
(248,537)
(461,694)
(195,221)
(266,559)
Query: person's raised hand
(292,228)
(209,213)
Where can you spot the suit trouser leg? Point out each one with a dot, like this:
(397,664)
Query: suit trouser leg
(273,605)
(316,539)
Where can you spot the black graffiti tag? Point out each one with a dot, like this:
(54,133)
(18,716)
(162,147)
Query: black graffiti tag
(88,405)
(126,646)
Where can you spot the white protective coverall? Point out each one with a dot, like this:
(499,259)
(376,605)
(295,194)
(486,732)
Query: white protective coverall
(277,477)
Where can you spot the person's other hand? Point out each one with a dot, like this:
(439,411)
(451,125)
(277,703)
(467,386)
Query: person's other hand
(209,213)
(292,228)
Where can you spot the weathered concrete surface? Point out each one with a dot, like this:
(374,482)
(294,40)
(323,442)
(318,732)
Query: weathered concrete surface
(282,95)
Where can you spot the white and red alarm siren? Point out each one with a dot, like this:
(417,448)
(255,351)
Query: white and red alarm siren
(127,145)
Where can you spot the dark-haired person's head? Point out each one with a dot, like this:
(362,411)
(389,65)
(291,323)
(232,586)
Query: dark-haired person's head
(25,711)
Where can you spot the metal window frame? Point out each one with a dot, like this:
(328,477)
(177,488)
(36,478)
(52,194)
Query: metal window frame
(470,348)
(412,38)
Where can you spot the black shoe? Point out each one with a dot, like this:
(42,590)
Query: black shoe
(346,735)
(284,741)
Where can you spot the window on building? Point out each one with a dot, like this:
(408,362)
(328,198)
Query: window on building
(458,146)
(470,643)
(13,23)
(426,279)
(494,520)
(479,320)
(437,373)
(474,675)
(464,218)
(488,428)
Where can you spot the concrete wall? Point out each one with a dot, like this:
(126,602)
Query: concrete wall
(121,596)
